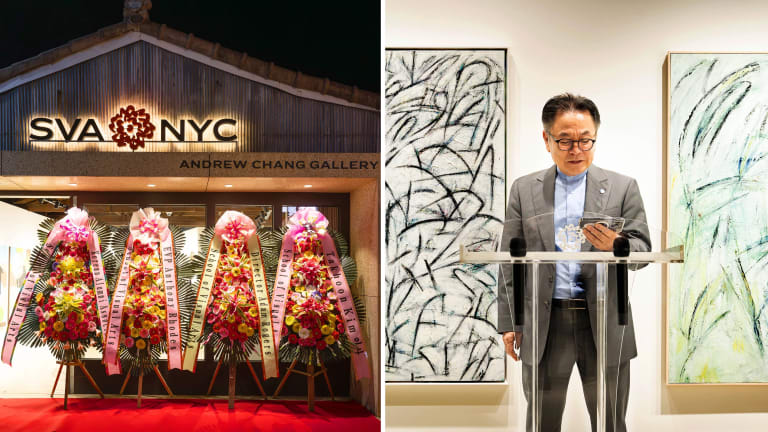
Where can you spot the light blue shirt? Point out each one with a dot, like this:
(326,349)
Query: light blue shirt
(570,192)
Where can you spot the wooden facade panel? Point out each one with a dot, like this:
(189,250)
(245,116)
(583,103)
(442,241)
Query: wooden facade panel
(175,88)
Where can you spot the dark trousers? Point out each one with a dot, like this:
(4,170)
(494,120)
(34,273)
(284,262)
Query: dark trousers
(570,342)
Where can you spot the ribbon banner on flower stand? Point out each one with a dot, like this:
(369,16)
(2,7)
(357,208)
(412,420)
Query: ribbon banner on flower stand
(232,309)
(145,315)
(71,304)
(313,310)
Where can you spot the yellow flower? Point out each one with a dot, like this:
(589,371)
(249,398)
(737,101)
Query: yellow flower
(326,330)
(39,297)
(253,312)
(70,265)
(242,328)
(308,254)
(249,332)
(299,288)
(79,318)
(236,271)
(58,326)
(330,340)
(289,320)
(161,314)
(140,344)
(42,326)
(231,319)
(332,318)
(135,332)
(147,324)
(296,327)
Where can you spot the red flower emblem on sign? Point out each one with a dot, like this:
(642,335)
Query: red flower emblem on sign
(131,127)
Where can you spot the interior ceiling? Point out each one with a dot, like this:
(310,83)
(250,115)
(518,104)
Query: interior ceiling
(49,207)
(183,184)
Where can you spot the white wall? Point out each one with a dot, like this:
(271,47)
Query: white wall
(612,52)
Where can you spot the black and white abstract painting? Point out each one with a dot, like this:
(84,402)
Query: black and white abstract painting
(445,161)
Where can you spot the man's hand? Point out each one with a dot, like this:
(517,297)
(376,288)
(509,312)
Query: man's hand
(512,343)
(600,236)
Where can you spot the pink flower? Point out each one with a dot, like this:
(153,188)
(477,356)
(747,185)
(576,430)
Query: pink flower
(92,326)
(39,312)
(223,332)
(144,333)
(233,225)
(148,226)
(129,342)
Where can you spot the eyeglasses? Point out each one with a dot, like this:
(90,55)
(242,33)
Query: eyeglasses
(585,144)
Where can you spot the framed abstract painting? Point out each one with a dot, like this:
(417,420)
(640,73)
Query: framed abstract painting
(717,205)
(445,152)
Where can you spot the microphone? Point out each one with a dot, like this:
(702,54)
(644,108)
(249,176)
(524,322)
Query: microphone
(621,249)
(517,248)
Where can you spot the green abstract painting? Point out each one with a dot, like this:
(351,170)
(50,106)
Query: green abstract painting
(717,180)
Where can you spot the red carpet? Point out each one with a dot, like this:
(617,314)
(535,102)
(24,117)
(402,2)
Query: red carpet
(114,415)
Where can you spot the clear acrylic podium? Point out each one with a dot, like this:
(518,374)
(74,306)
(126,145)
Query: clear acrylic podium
(545,363)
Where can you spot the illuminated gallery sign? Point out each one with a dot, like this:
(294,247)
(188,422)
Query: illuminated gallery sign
(132,127)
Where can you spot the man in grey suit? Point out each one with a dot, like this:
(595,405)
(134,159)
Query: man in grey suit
(541,207)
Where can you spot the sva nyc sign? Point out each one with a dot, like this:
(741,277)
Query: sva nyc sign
(132,127)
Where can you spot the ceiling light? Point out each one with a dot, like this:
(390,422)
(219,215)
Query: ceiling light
(151,185)
(307,186)
(73,184)
(227,186)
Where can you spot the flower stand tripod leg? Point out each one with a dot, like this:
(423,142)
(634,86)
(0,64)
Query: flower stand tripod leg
(327,380)
(55,383)
(232,377)
(90,378)
(311,385)
(125,381)
(215,374)
(162,381)
(256,378)
(285,378)
(138,394)
(66,386)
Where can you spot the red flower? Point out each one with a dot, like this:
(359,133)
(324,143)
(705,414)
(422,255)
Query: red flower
(321,345)
(293,339)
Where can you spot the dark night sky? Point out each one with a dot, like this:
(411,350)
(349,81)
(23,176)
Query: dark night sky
(337,39)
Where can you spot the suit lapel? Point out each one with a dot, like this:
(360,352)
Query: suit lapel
(543,196)
(598,189)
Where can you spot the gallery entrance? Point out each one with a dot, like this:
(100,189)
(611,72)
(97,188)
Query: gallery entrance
(193,211)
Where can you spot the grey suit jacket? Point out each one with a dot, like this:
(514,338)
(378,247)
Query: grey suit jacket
(534,195)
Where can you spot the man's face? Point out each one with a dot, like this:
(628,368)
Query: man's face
(571,125)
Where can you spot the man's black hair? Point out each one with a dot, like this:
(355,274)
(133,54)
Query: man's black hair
(567,102)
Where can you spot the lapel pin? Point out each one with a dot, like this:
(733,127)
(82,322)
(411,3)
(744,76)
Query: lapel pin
(602,191)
